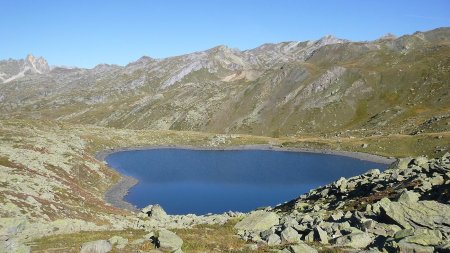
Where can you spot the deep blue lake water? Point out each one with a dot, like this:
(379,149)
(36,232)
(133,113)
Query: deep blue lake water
(215,181)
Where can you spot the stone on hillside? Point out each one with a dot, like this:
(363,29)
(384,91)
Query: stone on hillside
(306,219)
(321,235)
(301,206)
(309,237)
(428,214)
(400,164)
(413,248)
(168,241)
(357,240)
(302,248)
(348,215)
(409,196)
(266,233)
(425,237)
(341,184)
(404,233)
(382,229)
(426,186)
(285,250)
(290,235)
(344,225)
(420,161)
(300,227)
(273,240)
(258,221)
(373,172)
(436,180)
(100,246)
(288,221)
(154,212)
(337,216)
(367,224)
(119,241)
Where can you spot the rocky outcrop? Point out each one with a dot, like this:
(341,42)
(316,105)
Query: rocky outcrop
(153,217)
(153,212)
(403,209)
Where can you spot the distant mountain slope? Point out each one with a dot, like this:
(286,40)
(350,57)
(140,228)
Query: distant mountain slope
(394,85)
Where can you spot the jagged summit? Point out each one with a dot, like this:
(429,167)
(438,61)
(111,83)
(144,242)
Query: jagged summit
(11,70)
(39,64)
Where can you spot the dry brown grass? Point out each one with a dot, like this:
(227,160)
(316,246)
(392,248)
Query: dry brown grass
(73,242)
(214,238)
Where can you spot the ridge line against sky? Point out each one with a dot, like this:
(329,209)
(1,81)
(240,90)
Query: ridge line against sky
(86,33)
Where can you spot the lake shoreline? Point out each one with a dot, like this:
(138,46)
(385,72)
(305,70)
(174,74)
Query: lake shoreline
(116,193)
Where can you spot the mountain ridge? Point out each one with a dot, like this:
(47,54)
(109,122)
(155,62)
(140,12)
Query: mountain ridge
(327,86)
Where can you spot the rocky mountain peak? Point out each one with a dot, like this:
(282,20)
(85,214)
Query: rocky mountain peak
(11,70)
(329,39)
(38,65)
(388,36)
(30,58)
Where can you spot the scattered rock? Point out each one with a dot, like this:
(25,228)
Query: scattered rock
(409,197)
(337,216)
(168,241)
(428,214)
(258,221)
(100,246)
(273,240)
(414,248)
(424,237)
(154,212)
(302,248)
(321,235)
(358,240)
(290,235)
(402,209)
(309,237)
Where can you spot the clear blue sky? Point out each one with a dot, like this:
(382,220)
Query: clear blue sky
(85,33)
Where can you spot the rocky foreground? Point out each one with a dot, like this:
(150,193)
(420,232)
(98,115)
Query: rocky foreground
(403,209)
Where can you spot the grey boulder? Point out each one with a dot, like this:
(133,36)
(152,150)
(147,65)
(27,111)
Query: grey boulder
(302,248)
(258,221)
(290,235)
(168,241)
(421,214)
(358,240)
(100,246)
